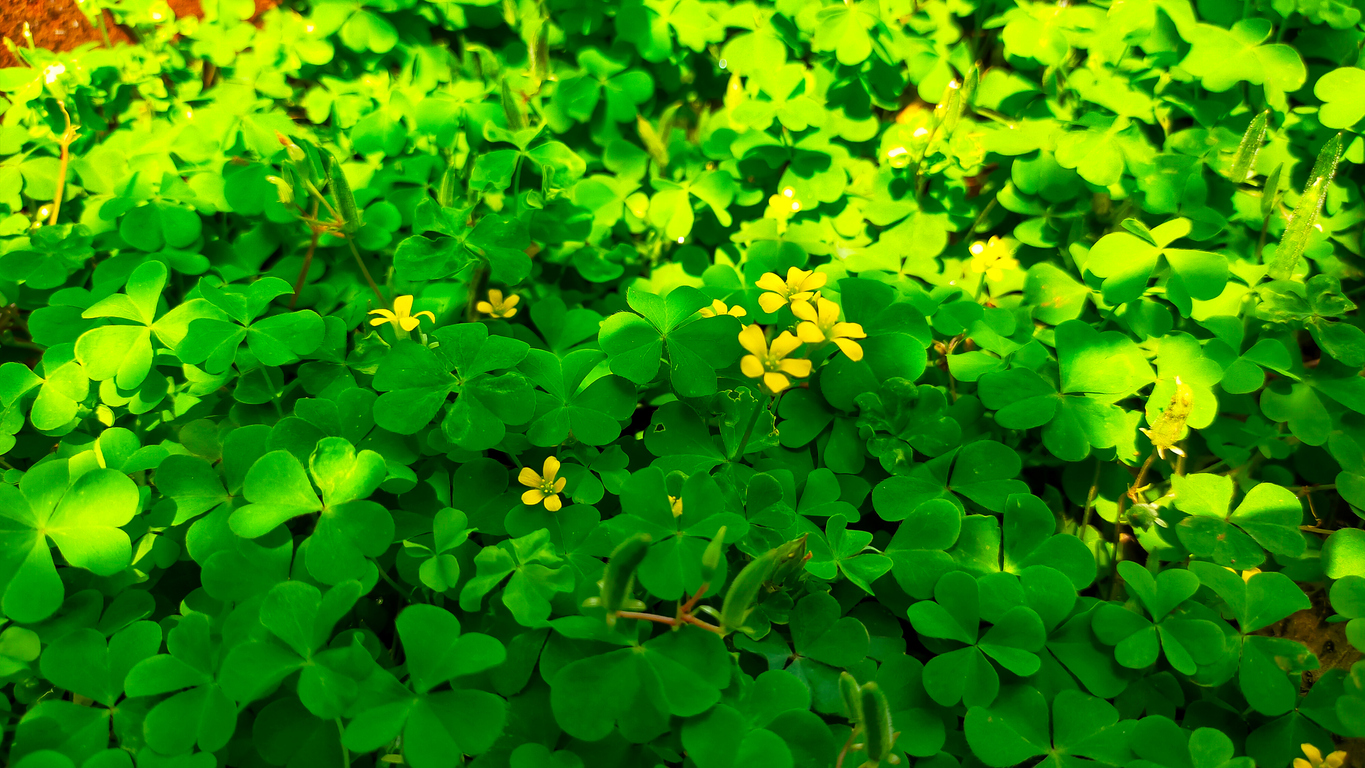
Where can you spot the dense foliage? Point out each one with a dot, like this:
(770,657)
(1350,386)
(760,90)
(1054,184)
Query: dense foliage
(685,382)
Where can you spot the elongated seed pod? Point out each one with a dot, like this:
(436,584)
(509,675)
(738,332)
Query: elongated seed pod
(743,593)
(341,189)
(877,727)
(853,698)
(620,573)
(1270,193)
(710,559)
(1295,239)
(653,142)
(1251,145)
(516,119)
(450,187)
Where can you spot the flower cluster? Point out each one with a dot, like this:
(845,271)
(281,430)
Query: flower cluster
(817,324)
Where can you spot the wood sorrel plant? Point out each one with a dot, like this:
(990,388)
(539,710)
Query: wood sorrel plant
(693,383)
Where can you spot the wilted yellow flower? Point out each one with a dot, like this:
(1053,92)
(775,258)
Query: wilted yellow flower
(822,324)
(770,363)
(497,306)
(544,487)
(800,285)
(718,308)
(992,258)
(1316,760)
(401,316)
(675,504)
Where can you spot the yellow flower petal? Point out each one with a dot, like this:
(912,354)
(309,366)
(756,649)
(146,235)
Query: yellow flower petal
(771,282)
(378,321)
(408,323)
(532,497)
(785,344)
(849,331)
(529,477)
(850,348)
(751,366)
(737,311)
(1312,753)
(559,484)
(427,313)
(804,311)
(751,338)
(484,307)
(829,311)
(776,382)
(402,306)
(810,333)
(551,469)
(553,503)
(511,300)
(771,302)
(798,368)
(495,296)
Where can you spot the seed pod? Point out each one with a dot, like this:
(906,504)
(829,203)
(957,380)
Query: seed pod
(1248,149)
(852,696)
(1270,193)
(450,185)
(620,573)
(742,596)
(1295,239)
(789,559)
(516,119)
(877,728)
(341,189)
(653,142)
(710,559)
(969,85)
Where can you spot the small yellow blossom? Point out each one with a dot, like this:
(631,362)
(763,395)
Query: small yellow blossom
(544,487)
(675,504)
(497,306)
(1316,760)
(719,308)
(992,258)
(821,324)
(782,207)
(800,285)
(770,363)
(401,316)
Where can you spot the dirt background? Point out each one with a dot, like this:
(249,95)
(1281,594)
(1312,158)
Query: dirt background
(60,25)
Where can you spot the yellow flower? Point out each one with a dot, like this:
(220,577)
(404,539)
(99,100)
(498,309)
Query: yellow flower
(718,308)
(544,487)
(770,363)
(800,285)
(497,306)
(822,324)
(401,316)
(1316,760)
(992,258)
(675,504)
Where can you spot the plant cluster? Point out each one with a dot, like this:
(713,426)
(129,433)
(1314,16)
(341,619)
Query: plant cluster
(685,382)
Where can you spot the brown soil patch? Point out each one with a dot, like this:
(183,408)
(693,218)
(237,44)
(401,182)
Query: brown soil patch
(59,25)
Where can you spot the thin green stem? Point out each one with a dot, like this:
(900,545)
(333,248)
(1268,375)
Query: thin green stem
(1118,521)
(1090,499)
(345,753)
(366,272)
